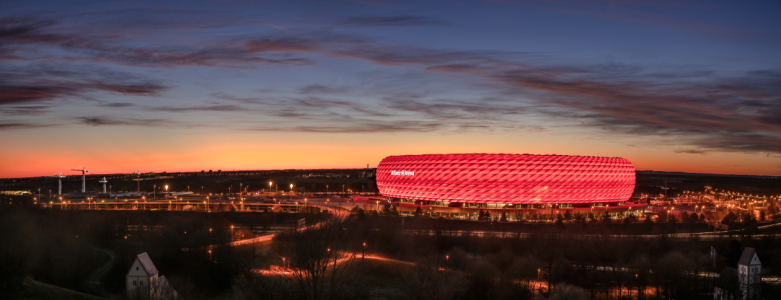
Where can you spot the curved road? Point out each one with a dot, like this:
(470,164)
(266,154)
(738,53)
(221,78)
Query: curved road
(92,284)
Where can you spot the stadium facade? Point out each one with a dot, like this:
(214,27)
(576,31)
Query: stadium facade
(515,183)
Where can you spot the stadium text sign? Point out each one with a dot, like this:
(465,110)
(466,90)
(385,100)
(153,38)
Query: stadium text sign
(402,173)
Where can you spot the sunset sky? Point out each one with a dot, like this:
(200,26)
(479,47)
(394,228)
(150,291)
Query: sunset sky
(690,86)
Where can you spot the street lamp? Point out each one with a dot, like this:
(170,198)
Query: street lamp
(154,192)
(364,250)
(166,191)
(291,191)
(231,232)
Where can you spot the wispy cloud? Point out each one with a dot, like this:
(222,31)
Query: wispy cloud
(698,107)
(116,121)
(117,104)
(691,151)
(229,108)
(23,35)
(397,20)
(42,82)
(21,125)
(361,126)
(25,110)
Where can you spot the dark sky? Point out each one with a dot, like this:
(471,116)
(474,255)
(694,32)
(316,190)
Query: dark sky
(177,85)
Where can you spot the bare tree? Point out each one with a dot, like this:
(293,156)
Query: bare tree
(320,259)
(427,281)
(155,289)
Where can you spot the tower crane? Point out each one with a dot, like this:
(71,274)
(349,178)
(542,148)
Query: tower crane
(138,179)
(59,177)
(104,181)
(83,178)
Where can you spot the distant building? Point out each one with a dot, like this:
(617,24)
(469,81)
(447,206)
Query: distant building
(749,269)
(143,281)
(741,283)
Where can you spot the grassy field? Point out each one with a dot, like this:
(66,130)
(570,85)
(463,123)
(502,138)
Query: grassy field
(381,279)
(38,290)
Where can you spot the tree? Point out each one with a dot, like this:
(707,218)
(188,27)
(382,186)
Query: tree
(684,217)
(502,261)
(418,211)
(567,215)
(425,281)
(568,292)
(673,272)
(359,213)
(312,255)
(487,216)
(729,218)
(559,220)
(504,217)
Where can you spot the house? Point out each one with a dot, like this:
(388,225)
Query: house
(143,281)
(749,269)
(743,282)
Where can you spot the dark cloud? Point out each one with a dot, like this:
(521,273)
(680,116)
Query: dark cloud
(362,126)
(42,82)
(20,125)
(117,104)
(28,110)
(11,94)
(696,107)
(401,20)
(199,108)
(22,35)
(103,121)
(321,89)
(443,109)
(691,151)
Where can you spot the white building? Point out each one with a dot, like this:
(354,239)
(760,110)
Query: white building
(744,283)
(143,281)
(749,277)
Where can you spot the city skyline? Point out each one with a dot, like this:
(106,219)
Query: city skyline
(163,86)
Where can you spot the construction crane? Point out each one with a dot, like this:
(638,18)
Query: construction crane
(104,181)
(138,179)
(83,178)
(59,177)
(665,185)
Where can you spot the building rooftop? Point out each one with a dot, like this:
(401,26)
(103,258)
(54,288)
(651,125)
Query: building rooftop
(745,258)
(147,263)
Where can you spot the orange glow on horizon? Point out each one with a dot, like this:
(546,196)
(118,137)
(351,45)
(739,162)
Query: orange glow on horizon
(300,151)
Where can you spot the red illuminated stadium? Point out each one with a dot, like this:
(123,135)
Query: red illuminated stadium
(498,181)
